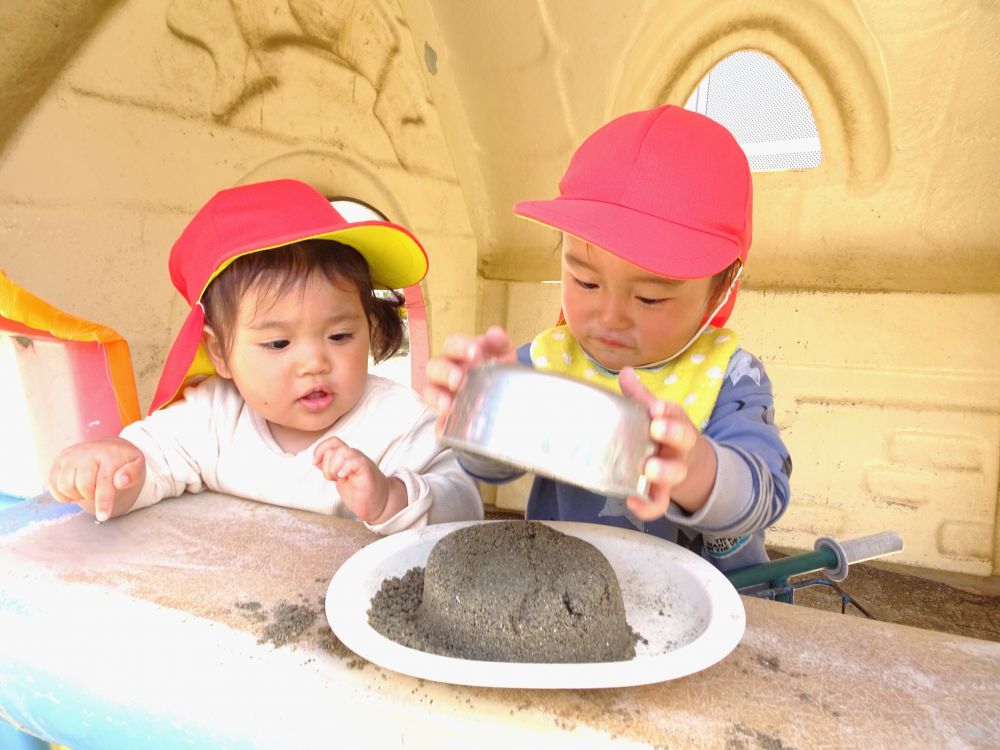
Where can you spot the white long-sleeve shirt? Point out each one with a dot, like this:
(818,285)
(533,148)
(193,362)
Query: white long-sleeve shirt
(213,440)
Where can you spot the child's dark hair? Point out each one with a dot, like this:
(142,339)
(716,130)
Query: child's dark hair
(274,272)
(723,279)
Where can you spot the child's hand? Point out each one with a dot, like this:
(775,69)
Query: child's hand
(683,468)
(103,476)
(446,373)
(369,494)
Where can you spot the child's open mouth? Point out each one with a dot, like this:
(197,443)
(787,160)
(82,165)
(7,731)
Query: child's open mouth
(317,399)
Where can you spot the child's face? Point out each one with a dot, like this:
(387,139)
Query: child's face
(624,316)
(300,360)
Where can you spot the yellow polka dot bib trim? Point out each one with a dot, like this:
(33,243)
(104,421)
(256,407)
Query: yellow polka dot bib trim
(692,380)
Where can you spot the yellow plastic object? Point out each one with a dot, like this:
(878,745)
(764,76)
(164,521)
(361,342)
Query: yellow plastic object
(24,314)
(63,380)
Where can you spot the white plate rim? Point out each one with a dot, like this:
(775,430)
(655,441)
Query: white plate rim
(347,605)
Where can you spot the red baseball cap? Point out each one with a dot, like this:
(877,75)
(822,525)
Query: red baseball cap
(263,216)
(666,189)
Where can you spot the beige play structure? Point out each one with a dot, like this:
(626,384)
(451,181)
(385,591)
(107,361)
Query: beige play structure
(873,288)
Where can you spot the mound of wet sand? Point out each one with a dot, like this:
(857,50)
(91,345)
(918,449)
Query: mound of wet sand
(515,591)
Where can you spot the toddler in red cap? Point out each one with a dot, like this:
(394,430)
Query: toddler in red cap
(266,392)
(655,215)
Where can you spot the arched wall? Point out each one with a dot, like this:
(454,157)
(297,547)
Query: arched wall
(909,450)
(873,280)
(833,59)
(856,299)
(117,151)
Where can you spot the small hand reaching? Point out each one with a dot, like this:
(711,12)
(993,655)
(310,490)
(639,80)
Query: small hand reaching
(103,476)
(446,372)
(365,490)
(683,467)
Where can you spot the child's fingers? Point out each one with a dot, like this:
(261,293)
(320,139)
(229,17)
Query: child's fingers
(673,432)
(669,425)
(445,374)
(496,344)
(104,492)
(461,348)
(54,490)
(649,510)
(57,488)
(85,479)
(342,463)
(470,350)
(665,471)
(127,475)
(324,447)
(438,399)
(123,478)
(331,463)
(348,467)
(633,388)
(663,474)
(66,484)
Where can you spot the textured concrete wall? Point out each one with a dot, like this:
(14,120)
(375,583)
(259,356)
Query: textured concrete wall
(874,280)
(168,101)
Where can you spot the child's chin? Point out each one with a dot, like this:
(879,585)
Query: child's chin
(614,362)
(309,421)
(319,423)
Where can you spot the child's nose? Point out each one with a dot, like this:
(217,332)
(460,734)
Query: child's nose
(314,360)
(613,311)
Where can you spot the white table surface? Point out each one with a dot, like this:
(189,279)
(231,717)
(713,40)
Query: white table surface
(140,632)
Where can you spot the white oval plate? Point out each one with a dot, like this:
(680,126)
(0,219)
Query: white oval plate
(685,608)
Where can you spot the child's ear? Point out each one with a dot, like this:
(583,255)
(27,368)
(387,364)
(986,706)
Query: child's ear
(716,291)
(720,285)
(215,352)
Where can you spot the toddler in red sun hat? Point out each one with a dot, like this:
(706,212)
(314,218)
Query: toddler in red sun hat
(266,392)
(654,212)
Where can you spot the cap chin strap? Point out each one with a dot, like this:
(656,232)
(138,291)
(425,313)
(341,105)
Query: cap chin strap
(708,320)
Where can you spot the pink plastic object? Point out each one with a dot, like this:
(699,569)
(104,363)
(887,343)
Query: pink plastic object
(416,316)
(76,376)
(67,386)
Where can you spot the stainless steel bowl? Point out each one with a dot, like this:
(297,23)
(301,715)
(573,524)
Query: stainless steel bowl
(551,425)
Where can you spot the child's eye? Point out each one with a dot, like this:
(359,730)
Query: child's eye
(584,284)
(276,345)
(341,336)
(651,300)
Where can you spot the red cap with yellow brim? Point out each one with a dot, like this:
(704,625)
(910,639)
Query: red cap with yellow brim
(264,216)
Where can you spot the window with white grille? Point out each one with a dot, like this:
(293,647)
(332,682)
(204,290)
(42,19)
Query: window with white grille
(763,108)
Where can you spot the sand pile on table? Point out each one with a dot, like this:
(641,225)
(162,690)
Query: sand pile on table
(515,591)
